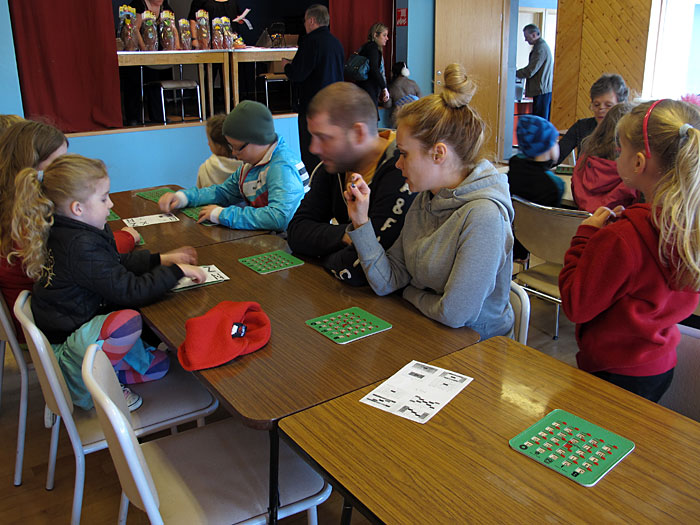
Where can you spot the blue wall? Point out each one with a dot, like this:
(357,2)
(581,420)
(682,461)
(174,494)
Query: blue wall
(421,38)
(693,85)
(542,4)
(10,95)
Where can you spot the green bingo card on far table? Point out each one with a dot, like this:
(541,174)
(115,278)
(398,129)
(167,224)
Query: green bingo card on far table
(348,325)
(154,195)
(572,446)
(271,261)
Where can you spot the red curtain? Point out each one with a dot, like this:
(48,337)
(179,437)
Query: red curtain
(67,61)
(351,20)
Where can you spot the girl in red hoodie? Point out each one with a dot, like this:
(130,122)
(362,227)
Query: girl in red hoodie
(627,283)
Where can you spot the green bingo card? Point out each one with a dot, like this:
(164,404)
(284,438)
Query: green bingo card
(271,262)
(154,195)
(564,170)
(572,446)
(113,216)
(348,325)
(192,213)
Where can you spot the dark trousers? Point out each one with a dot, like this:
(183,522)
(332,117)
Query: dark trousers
(309,159)
(541,105)
(131,91)
(650,387)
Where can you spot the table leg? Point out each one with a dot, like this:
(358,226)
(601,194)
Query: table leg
(346,515)
(234,75)
(210,70)
(143,112)
(227,85)
(274,475)
(203,90)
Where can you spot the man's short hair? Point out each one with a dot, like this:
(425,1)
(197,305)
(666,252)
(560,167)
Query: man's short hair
(531,28)
(346,104)
(319,13)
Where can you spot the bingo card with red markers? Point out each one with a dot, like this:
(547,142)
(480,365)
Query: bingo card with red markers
(572,446)
(348,325)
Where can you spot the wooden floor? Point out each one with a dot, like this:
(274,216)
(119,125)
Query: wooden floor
(30,503)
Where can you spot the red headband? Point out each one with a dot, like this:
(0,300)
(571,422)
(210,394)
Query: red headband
(645,124)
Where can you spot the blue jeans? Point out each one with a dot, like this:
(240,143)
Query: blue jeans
(541,105)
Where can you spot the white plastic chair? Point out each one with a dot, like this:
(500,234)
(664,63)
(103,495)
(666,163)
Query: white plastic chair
(9,337)
(546,233)
(175,399)
(520,303)
(214,474)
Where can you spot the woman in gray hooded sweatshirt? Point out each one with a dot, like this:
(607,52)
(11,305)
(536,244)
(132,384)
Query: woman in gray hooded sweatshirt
(453,258)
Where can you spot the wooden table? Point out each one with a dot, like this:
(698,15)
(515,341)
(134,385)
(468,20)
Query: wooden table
(170,235)
(459,468)
(209,57)
(298,368)
(256,54)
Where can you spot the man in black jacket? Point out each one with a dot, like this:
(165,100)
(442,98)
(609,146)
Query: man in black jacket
(318,63)
(342,120)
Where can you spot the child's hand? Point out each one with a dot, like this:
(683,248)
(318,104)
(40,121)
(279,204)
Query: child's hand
(131,231)
(603,216)
(357,197)
(182,255)
(193,272)
(168,202)
(205,213)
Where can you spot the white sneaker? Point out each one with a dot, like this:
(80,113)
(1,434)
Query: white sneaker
(133,400)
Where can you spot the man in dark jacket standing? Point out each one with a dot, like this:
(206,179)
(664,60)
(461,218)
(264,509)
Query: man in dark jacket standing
(538,72)
(318,63)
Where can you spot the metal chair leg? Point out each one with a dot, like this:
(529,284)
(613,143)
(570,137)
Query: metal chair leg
(556,324)
(182,104)
(199,104)
(162,103)
(267,96)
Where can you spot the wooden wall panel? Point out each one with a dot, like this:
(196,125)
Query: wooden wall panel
(596,37)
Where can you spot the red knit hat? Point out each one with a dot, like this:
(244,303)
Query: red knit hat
(209,341)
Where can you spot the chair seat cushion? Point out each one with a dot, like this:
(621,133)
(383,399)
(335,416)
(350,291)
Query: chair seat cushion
(219,474)
(178,84)
(543,277)
(272,77)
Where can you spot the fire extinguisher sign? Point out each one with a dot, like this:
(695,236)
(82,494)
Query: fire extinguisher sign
(402,16)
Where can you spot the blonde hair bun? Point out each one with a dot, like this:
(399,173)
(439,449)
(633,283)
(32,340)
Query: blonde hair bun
(459,89)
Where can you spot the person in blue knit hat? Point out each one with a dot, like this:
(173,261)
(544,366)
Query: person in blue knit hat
(265,191)
(529,174)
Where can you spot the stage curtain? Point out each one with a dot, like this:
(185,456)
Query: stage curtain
(67,62)
(351,20)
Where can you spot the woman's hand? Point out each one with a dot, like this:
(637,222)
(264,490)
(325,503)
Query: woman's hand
(168,202)
(179,256)
(603,216)
(205,213)
(357,198)
(193,272)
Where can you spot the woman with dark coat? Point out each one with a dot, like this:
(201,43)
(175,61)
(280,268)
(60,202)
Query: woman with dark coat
(375,84)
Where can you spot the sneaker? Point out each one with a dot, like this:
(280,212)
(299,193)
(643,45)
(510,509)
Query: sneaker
(133,400)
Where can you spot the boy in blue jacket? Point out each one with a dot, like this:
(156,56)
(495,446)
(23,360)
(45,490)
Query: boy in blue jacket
(264,192)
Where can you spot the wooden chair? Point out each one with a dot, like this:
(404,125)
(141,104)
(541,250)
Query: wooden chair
(520,302)
(546,233)
(175,399)
(9,337)
(215,474)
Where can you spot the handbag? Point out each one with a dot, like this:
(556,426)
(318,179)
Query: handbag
(356,67)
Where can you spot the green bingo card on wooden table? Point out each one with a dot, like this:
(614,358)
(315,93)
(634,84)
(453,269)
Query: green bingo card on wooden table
(155,195)
(113,216)
(348,325)
(572,446)
(564,170)
(271,261)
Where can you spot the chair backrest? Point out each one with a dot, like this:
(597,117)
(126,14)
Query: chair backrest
(7,329)
(134,474)
(520,302)
(53,384)
(545,232)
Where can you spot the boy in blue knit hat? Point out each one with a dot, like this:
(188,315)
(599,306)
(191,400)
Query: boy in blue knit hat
(265,191)
(529,174)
